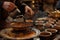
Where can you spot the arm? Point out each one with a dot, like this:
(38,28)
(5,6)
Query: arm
(29,10)
(8,6)
(1,4)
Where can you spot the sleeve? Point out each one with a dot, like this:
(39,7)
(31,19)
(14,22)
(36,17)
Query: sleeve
(58,5)
(24,4)
(1,4)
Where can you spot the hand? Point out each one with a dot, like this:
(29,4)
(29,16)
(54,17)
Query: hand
(8,6)
(29,11)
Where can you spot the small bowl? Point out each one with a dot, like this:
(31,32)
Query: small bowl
(38,22)
(51,30)
(45,34)
(48,25)
(57,27)
(28,21)
(40,27)
(58,23)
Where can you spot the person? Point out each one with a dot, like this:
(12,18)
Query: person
(39,13)
(5,7)
(8,7)
(25,9)
(57,5)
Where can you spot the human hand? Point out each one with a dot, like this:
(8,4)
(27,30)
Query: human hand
(8,6)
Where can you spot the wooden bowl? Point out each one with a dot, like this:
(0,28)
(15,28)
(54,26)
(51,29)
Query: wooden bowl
(57,27)
(45,34)
(51,30)
(40,27)
(48,25)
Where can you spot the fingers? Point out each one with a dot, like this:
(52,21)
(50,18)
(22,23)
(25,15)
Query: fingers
(8,6)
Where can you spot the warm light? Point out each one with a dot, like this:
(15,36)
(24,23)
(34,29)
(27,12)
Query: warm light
(33,1)
(33,6)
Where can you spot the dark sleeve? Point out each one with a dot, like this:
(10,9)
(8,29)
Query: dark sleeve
(1,4)
(24,4)
(58,5)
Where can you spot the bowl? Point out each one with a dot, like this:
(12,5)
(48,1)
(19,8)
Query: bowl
(40,27)
(45,34)
(57,27)
(51,30)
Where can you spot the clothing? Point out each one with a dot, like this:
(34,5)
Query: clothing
(1,3)
(2,12)
(40,14)
(58,5)
(3,16)
(21,7)
(41,7)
